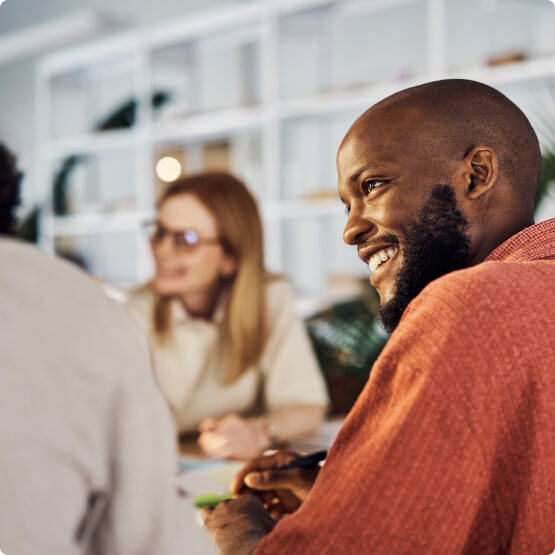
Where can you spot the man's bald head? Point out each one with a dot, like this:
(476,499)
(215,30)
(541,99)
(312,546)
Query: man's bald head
(453,116)
(434,178)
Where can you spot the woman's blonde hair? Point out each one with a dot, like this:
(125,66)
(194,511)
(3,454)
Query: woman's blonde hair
(240,230)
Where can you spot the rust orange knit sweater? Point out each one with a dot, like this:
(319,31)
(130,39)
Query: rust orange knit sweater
(451,446)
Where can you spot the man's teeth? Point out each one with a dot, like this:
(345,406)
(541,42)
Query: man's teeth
(379,258)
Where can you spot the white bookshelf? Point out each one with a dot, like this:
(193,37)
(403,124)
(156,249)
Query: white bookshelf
(287,93)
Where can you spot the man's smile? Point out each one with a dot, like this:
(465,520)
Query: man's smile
(384,266)
(380,258)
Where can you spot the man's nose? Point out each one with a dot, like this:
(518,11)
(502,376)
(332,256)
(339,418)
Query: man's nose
(357,226)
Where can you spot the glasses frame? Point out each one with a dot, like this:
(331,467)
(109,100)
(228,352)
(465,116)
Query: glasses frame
(184,240)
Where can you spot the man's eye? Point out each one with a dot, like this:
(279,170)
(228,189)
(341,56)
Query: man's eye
(370,184)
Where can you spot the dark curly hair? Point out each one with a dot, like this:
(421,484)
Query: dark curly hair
(10,179)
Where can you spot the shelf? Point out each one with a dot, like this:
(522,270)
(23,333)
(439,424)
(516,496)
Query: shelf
(93,143)
(190,128)
(299,209)
(231,121)
(98,223)
(187,29)
(363,98)
(208,125)
(509,74)
(333,102)
(94,51)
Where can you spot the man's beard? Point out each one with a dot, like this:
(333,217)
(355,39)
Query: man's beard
(433,244)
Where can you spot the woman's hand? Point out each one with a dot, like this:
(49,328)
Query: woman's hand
(232,437)
(281,491)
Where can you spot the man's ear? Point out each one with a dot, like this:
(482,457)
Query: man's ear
(482,171)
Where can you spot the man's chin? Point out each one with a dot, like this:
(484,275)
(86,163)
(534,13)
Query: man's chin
(390,314)
(385,298)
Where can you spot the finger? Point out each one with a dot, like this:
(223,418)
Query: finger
(229,420)
(276,511)
(223,451)
(220,438)
(288,500)
(261,463)
(208,424)
(267,497)
(206,512)
(212,439)
(272,479)
(213,443)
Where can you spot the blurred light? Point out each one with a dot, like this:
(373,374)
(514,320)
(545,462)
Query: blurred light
(168,169)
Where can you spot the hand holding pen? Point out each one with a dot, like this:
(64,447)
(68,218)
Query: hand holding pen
(282,481)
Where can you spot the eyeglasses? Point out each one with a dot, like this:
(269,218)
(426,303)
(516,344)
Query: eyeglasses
(183,239)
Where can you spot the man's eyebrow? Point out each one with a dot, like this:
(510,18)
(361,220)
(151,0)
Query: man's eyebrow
(356,175)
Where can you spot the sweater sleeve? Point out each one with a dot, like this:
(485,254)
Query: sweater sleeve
(406,473)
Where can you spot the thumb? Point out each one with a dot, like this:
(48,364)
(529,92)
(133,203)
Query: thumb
(271,479)
(208,425)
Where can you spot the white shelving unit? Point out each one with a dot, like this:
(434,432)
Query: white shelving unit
(282,79)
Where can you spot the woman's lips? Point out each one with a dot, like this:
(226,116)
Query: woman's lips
(163,273)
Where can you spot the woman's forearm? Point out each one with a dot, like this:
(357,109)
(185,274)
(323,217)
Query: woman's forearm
(290,422)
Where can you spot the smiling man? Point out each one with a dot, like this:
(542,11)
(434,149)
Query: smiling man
(451,446)
(434,179)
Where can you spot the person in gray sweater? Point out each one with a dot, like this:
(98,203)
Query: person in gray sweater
(87,442)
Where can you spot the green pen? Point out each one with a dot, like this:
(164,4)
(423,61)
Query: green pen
(200,501)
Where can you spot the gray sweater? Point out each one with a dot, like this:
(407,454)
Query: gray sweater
(87,444)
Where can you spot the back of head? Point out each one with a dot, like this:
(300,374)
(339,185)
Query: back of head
(10,179)
(455,115)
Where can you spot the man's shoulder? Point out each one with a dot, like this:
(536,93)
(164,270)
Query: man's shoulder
(47,279)
(64,311)
(489,287)
(488,279)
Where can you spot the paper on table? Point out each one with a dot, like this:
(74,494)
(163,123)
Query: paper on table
(323,439)
(213,478)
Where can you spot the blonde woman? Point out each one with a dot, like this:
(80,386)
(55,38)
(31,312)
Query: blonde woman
(230,355)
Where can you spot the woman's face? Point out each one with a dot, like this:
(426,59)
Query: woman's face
(181,270)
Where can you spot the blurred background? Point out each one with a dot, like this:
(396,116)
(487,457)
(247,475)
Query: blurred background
(105,102)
